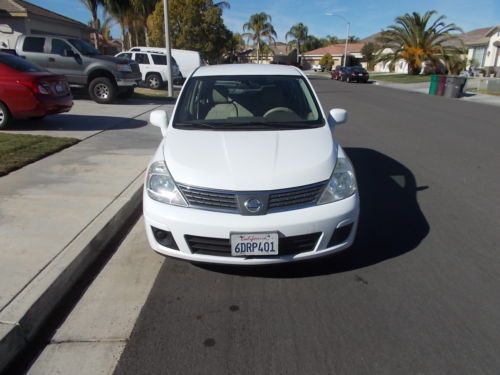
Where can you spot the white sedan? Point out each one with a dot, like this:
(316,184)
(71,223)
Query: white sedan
(248,171)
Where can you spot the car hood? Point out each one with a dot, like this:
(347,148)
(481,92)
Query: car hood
(250,160)
(112,59)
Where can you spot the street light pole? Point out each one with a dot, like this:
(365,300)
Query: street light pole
(167,45)
(347,37)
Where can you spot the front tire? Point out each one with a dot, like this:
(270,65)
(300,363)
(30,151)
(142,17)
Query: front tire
(5,116)
(102,90)
(154,81)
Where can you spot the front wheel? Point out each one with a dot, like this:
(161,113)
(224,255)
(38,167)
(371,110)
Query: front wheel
(102,90)
(4,116)
(154,81)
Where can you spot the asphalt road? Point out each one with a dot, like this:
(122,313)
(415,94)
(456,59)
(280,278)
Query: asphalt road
(419,293)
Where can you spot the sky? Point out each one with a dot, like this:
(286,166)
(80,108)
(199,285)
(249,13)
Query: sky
(366,16)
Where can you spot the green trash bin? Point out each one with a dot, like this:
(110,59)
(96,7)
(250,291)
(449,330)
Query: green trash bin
(433,88)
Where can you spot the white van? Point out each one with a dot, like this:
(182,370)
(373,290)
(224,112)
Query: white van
(187,61)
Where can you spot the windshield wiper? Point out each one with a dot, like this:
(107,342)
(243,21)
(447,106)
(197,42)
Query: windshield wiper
(243,126)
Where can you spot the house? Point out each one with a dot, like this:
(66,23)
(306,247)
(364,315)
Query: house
(21,17)
(269,54)
(337,51)
(483,47)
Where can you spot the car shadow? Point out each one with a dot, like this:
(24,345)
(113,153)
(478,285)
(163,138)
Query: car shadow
(70,122)
(390,224)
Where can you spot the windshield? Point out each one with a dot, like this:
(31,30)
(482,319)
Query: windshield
(247,102)
(83,47)
(19,64)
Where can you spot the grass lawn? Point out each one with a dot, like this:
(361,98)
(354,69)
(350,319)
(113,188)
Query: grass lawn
(474,90)
(17,150)
(401,78)
(144,93)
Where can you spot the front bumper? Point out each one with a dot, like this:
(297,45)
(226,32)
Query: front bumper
(182,221)
(128,79)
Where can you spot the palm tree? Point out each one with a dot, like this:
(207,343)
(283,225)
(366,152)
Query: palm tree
(144,8)
(260,28)
(92,6)
(299,33)
(414,39)
(122,11)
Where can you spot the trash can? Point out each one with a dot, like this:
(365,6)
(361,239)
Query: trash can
(434,85)
(441,86)
(454,87)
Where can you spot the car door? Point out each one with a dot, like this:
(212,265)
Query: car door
(63,59)
(144,64)
(33,50)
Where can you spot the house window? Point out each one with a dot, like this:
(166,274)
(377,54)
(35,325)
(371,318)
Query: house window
(479,55)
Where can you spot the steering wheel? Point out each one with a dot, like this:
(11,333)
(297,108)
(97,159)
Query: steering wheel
(277,110)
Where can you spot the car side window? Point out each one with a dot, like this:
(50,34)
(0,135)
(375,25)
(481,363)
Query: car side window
(141,58)
(33,44)
(159,59)
(125,56)
(58,47)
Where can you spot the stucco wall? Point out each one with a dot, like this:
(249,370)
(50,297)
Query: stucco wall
(492,54)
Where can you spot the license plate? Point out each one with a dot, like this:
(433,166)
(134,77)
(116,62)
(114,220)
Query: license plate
(254,244)
(60,88)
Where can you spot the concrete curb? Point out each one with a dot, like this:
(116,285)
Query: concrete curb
(23,318)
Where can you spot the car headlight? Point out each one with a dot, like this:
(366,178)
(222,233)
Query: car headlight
(124,68)
(161,186)
(342,184)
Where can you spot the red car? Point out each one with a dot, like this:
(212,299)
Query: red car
(28,91)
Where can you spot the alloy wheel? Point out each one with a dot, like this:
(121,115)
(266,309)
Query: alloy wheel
(101,91)
(154,82)
(2,116)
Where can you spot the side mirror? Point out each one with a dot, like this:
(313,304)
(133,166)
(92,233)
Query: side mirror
(159,118)
(337,116)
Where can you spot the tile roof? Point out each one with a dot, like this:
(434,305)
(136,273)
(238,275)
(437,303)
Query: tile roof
(477,36)
(21,6)
(336,49)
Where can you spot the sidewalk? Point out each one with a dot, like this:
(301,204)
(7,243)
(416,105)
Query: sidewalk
(423,88)
(48,212)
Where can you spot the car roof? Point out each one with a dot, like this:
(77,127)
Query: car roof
(246,69)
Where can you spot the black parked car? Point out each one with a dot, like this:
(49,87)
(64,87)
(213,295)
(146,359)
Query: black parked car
(354,74)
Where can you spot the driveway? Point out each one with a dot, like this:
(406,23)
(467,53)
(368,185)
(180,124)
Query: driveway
(88,118)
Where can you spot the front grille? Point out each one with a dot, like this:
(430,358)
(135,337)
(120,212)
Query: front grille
(294,197)
(211,199)
(222,247)
(227,201)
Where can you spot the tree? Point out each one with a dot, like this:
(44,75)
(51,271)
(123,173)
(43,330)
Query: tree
(299,34)
(369,51)
(122,11)
(193,24)
(326,62)
(93,6)
(144,8)
(415,39)
(260,29)
(311,42)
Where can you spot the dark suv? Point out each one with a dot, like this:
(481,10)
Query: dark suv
(105,77)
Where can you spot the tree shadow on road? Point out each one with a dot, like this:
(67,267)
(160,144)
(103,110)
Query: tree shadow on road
(70,122)
(391,222)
